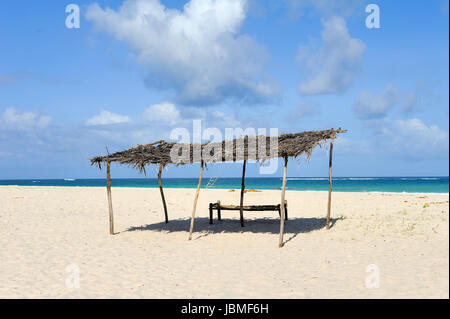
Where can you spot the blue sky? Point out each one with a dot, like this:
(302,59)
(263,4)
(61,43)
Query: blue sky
(133,72)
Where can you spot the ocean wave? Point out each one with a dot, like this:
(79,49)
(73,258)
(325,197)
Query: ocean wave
(334,178)
(306,179)
(420,178)
(360,179)
(405,193)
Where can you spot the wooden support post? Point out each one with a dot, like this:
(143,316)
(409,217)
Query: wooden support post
(211,214)
(242,193)
(219,214)
(162,193)
(108,191)
(330,183)
(283,211)
(195,201)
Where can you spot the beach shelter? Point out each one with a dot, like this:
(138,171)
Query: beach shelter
(260,148)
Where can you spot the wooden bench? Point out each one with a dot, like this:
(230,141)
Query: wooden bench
(219,207)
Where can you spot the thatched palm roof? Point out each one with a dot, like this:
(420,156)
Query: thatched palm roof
(285,145)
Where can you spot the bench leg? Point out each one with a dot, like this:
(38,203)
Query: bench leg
(210,214)
(219,215)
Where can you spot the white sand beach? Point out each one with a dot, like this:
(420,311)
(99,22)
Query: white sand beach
(43,230)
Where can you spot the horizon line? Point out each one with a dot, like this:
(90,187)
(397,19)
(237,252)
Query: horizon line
(145,178)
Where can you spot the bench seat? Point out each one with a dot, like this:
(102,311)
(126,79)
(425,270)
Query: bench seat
(219,207)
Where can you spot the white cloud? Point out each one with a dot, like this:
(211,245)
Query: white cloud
(410,102)
(407,139)
(304,109)
(367,105)
(225,119)
(167,113)
(164,112)
(106,118)
(13,118)
(156,122)
(198,52)
(349,146)
(371,106)
(334,66)
(24,132)
(412,138)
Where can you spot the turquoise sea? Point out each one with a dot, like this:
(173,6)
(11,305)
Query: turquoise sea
(340,184)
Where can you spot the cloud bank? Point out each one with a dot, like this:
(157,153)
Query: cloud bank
(372,106)
(334,66)
(414,139)
(14,119)
(368,106)
(199,52)
(106,118)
